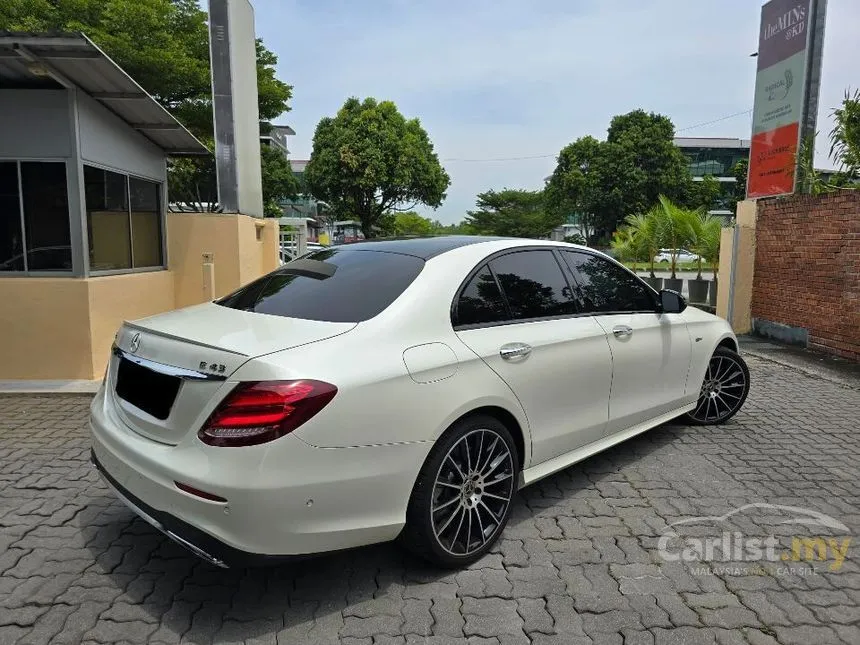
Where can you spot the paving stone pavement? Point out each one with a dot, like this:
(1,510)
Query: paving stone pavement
(579,563)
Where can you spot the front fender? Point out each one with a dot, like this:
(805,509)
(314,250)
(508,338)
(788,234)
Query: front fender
(707,332)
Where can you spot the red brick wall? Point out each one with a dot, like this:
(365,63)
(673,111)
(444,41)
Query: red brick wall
(807,268)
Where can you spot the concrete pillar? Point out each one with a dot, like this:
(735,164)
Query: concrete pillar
(737,268)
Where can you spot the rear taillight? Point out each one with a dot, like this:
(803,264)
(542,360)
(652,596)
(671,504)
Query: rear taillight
(258,412)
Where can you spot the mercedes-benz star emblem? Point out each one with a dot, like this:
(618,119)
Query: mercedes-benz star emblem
(135,343)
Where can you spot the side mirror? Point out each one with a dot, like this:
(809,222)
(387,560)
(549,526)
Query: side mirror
(672,302)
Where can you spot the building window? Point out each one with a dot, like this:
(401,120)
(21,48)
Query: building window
(124,228)
(34,217)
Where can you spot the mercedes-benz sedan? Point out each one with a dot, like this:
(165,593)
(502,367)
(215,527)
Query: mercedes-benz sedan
(398,388)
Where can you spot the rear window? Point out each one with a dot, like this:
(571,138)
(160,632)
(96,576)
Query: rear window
(334,285)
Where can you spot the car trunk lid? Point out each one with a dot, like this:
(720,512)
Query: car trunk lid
(166,371)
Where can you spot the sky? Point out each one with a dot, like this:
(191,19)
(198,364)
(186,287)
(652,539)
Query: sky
(502,85)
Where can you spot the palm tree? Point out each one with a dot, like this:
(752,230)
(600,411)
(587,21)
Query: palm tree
(705,242)
(622,244)
(711,235)
(644,232)
(674,227)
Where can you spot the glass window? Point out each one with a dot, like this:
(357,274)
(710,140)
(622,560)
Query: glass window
(607,287)
(145,223)
(123,221)
(11,240)
(46,216)
(334,285)
(533,284)
(481,301)
(108,230)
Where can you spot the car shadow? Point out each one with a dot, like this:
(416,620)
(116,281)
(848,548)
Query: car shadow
(198,601)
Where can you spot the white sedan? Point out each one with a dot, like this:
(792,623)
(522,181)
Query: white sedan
(681,255)
(396,389)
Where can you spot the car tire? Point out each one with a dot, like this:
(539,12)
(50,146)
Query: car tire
(462,498)
(724,389)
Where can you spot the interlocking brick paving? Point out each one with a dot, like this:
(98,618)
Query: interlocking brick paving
(578,564)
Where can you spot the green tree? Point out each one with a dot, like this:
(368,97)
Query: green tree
(705,232)
(674,226)
(845,135)
(704,193)
(645,236)
(411,223)
(369,160)
(623,245)
(604,181)
(279,182)
(655,166)
(512,213)
(739,189)
(461,228)
(576,185)
(164,46)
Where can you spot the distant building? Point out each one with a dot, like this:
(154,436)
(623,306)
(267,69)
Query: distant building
(715,156)
(275,136)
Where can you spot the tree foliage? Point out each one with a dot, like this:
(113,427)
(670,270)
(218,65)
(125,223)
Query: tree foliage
(703,193)
(512,213)
(601,182)
(739,189)
(845,135)
(411,223)
(279,182)
(164,46)
(369,160)
(577,183)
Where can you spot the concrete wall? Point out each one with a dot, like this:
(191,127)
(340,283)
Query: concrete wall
(106,140)
(35,123)
(44,329)
(734,293)
(229,243)
(62,328)
(117,298)
(806,287)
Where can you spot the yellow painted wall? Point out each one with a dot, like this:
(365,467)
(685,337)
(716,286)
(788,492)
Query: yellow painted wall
(117,298)
(189,236)
(63,328)
(44,329)
(741,320)
(238,255)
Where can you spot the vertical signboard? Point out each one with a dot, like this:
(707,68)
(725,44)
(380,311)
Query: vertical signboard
(781,79)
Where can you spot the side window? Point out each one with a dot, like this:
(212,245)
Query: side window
(607,287)
(533,284)
(481,301)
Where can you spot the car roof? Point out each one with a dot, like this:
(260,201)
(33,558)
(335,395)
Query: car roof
(421,247)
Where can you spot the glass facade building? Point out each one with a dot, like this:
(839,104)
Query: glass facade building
(715,157)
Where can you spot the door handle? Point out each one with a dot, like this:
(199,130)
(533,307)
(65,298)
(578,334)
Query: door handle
(622,331)
(514,350)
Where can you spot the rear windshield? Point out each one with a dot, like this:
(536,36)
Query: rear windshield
(334,285)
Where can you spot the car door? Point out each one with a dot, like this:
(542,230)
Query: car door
(517,313)
(651,350)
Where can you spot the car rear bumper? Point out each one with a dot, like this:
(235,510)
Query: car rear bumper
(199,542)
(280,500)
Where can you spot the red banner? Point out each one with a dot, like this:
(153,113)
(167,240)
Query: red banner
(772,155)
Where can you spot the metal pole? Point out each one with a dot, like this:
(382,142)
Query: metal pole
(733,270)
(812,81)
